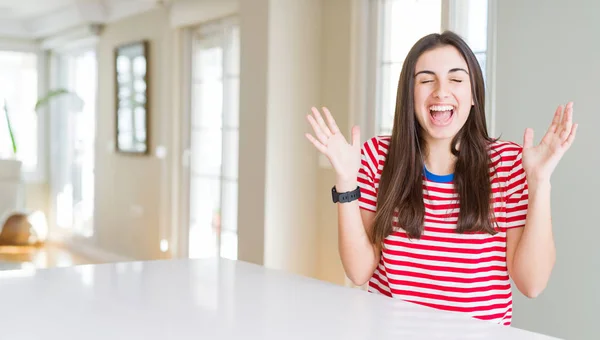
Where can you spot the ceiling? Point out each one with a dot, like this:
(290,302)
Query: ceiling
(35,19)
(22,9)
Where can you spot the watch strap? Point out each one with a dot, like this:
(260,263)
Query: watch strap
(345,197)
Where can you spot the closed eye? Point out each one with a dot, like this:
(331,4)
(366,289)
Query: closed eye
(457,80)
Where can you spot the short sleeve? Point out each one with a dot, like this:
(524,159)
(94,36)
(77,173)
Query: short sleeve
(517,194)
(368,173)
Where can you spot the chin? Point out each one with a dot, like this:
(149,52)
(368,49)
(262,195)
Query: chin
(441,133)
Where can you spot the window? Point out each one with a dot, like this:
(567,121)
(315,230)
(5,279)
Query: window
(73,130)
(470,20)
(213,168)
(399,24)
(19,93)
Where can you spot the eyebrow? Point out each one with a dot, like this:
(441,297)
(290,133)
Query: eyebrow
(457,69)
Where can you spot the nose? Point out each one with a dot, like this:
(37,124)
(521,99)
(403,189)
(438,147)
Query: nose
(441,91)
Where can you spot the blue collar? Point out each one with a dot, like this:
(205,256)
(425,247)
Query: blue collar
(438,178)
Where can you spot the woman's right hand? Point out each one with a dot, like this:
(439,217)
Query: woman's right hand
(344,157)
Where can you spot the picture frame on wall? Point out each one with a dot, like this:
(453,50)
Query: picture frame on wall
(131,98)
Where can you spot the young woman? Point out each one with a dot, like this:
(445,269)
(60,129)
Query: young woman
(439,213)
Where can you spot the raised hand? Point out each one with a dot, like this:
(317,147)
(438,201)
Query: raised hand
(540,161)
(344,157)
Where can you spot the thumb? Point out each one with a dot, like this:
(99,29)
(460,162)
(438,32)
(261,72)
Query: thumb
(528,138)
(356,136)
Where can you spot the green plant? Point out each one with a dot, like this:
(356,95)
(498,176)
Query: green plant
(41,102)
(10,130)
(52,95)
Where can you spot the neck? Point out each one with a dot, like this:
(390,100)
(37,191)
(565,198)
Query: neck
(438,158)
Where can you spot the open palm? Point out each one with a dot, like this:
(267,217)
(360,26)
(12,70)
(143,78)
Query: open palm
(344,157)
(540,161)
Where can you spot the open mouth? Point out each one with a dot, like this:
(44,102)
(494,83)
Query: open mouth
(441,115)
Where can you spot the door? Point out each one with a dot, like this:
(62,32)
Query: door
(212,147)
(73,130)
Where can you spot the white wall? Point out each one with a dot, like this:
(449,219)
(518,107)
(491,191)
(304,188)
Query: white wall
(335,91)
(280,81)
(132,192)
(254,64)
(548,55)
(294,85)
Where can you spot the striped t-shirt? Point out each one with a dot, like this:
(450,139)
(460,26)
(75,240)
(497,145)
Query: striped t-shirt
(464,273)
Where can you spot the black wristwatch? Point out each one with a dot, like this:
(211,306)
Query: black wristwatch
(345,197)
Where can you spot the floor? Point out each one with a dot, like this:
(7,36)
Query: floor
(46,256)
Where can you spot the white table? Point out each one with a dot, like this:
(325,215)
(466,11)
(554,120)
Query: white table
(213,299)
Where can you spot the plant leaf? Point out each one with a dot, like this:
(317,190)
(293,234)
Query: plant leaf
(10,130)
(51,95)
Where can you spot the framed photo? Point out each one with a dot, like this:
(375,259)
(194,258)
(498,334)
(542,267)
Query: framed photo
(132,80)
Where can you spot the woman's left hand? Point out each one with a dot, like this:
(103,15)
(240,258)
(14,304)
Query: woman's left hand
(539,161)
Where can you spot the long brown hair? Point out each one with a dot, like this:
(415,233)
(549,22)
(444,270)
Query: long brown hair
(401,183)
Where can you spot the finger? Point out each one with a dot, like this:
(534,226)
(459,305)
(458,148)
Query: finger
(321,122)
(554,126)
(316,143)
(555,119)
(356,136)
(528,138)
(567,123)
(568,108)
(571,137)
(317,128)
(332,124)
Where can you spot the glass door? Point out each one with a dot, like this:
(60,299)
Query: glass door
(73,135)
(213,147)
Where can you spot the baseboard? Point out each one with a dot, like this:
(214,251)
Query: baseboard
(89,251)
